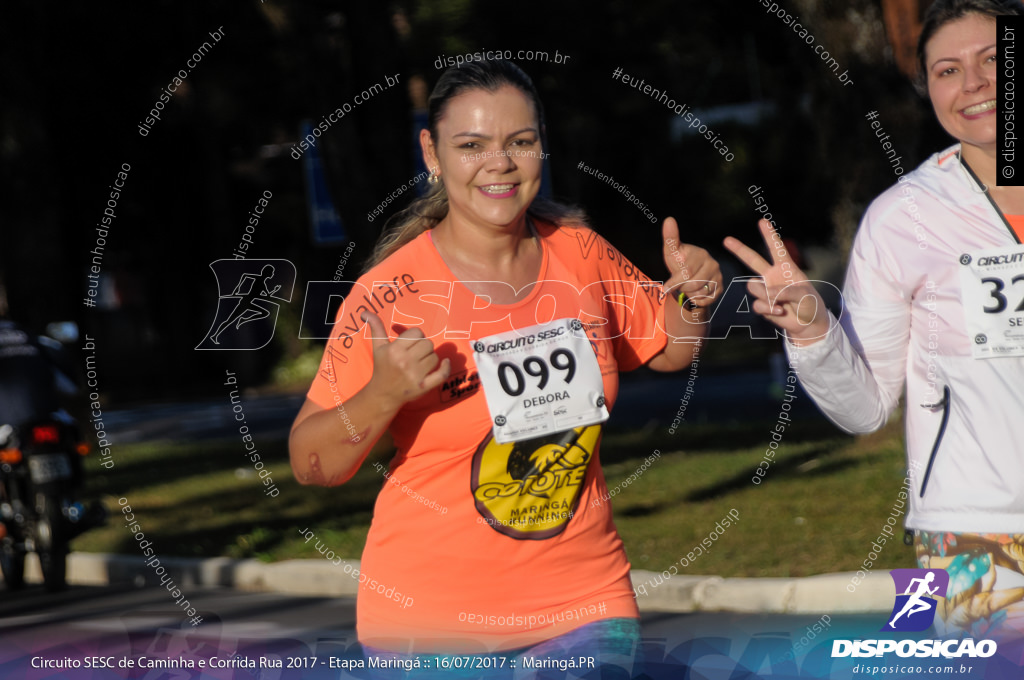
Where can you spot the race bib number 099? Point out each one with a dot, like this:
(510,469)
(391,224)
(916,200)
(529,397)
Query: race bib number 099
(540,380)
(993,296)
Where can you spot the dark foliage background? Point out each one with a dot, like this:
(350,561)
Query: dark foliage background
(78,78)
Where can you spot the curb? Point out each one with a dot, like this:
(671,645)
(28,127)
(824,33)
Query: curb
(826,593)
(822,594)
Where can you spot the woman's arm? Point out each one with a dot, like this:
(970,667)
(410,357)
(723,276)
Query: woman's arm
(856,387)
(686,331)
(323,450)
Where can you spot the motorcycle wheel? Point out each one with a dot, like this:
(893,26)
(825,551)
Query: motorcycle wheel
(52,547)
(12,564)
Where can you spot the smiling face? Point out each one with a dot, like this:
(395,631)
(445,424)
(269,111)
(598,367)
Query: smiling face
(961,63)
(488,153)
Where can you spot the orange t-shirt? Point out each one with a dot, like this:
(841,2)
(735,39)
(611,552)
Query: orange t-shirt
(477,546)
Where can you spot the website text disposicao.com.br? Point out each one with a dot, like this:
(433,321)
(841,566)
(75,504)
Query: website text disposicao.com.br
(918,658)
(486,55)
(334,116)
(804,33)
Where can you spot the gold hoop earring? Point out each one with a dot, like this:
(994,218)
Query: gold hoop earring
(432,179)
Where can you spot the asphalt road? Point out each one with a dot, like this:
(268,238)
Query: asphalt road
(136,623)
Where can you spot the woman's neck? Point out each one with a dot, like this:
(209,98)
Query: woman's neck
(983,162)
(489,246)
(497,262)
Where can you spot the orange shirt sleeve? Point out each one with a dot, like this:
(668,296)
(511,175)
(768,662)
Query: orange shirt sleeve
(637,305)
(347,363)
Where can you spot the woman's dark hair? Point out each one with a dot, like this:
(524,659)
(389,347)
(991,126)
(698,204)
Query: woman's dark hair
(425,212)
(942,12)
(489,76)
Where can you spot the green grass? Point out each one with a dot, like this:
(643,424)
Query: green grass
(823,500)
(207,500)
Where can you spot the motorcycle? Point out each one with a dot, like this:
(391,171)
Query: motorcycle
(40,473)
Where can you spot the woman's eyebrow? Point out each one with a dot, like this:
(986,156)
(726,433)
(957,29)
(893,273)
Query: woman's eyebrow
(480,135)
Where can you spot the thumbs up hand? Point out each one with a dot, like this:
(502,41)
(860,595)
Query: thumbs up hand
(693,271)
(406,368)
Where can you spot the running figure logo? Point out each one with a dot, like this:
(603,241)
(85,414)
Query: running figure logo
(247,315)
(914,609)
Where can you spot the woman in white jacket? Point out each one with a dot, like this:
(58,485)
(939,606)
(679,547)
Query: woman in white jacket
(934,300)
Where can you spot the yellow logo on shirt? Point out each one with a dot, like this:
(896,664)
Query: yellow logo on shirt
(529,489)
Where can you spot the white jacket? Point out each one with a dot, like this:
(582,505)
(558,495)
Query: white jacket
(904,322)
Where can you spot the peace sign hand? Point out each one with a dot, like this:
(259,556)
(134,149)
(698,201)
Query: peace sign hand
(783,295)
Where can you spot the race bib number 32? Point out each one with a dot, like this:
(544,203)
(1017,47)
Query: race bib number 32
(993,297)
(540,380)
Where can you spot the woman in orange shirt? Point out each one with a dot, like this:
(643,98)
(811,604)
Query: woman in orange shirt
(487,335)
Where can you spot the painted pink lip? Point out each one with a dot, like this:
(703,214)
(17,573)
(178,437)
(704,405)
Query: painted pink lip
(508,194)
